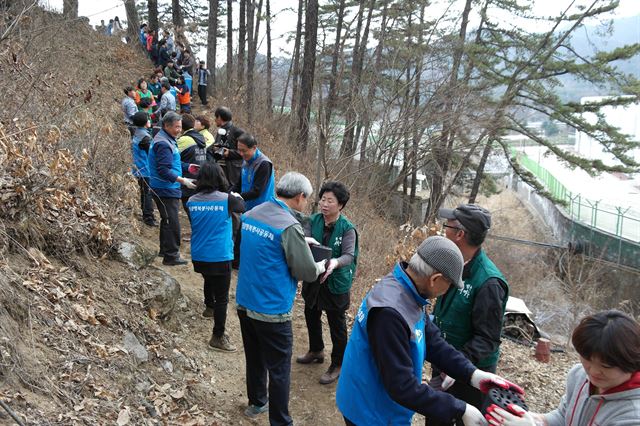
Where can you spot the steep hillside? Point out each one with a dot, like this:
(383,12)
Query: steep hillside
(91,336)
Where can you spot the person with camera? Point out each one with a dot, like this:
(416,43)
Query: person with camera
(256,184)
(225,147)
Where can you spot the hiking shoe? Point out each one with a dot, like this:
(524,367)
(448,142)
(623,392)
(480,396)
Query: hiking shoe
(311,357)
(151,223)
(254,411)
(222,344)
(174,262)
(208,312)
(330,376)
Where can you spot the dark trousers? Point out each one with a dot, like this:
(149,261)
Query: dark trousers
(202,93)
(216,297)
(146,200)
(464,392)
(186,209)
(169,226)
(337,329)
(348,422)
(267,349)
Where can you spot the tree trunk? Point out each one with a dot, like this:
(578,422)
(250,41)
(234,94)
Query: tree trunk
(333,77)
(176,15)
(229,42)
(296,58)
(212,44)
(251,57)
(242,38)
(133,23)
(153,14)
(308,71)
(269,63)
(477,180)
(442,149)
(417,134)
(371,91)
(348,142)
(70,9)
(257,14)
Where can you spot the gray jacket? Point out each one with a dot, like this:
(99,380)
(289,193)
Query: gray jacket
(578,408)
(129,108)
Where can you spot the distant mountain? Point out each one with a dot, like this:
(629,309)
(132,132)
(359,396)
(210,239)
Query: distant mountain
(590,39)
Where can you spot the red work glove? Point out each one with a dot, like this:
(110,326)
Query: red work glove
(485,381)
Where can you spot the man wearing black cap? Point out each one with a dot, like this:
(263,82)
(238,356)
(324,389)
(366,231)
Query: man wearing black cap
(470,318)
(381,377)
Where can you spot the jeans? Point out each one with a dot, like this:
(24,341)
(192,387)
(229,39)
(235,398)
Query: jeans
(216,296)
(169,226)
(267,349)
(337,329)
(146,200)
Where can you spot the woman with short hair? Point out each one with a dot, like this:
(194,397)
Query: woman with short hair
(330,293)
(604,389)
(211,209)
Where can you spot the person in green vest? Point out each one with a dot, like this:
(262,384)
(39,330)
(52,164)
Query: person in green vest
(470,318)
(330,293)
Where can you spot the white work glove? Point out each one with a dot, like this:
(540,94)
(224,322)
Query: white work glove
(447,381)
(235,194)
(188,183)
(486,381)
(473,417)
(321,267)
(312,241)
(331,265)
(499,417)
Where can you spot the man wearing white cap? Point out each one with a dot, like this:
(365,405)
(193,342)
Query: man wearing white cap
(381,378)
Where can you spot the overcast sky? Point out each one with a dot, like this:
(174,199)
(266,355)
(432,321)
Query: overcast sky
(285,17)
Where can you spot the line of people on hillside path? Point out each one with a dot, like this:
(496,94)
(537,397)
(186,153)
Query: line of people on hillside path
(239,214)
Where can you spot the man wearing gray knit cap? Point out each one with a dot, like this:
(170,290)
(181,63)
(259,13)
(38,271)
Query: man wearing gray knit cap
(381,377)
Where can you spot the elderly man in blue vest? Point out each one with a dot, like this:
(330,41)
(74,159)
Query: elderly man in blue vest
(274,256)
(165,178)
(470,318)
(381,378)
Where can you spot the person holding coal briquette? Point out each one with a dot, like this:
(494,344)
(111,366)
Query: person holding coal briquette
(330,293)
(603,389)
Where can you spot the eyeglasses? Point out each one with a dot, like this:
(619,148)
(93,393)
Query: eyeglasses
(452,227)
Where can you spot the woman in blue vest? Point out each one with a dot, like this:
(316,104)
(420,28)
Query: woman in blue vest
(210,210)
(257,180)
(331,292)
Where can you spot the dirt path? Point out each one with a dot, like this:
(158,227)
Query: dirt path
(310,402)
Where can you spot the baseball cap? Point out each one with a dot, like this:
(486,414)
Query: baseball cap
(473,217)
(444,256)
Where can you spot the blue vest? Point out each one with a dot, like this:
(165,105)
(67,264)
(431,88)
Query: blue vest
(140,165)
(248,171)
(361,396)
(155,181)
(265,284)
(211,228)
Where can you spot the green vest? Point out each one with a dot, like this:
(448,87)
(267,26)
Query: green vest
(453,311)
(340,280)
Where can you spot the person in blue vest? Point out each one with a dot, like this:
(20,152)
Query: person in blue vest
(211,209)
(381,378)
(274,255)
(471,318)
(165,178)
(203,78)
(256,181)
(331,293)
(140,143)
(142,35)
